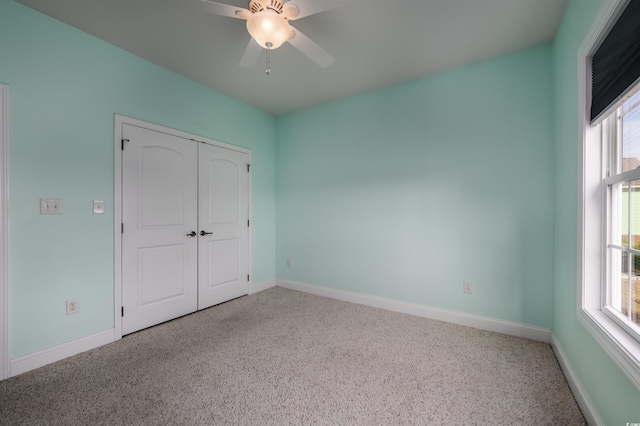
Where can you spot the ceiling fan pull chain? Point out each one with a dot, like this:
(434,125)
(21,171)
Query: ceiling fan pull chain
(268,70)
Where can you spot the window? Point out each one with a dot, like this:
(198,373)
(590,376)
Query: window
(621,145)
(609,190)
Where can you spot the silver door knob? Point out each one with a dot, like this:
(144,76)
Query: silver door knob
(205,233)
(192,234)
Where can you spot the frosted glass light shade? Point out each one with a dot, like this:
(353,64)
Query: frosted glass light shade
(268,26)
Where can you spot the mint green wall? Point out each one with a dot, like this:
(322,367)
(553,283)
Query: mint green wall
(406,192)
(65,87)
(401,193)
(613,395)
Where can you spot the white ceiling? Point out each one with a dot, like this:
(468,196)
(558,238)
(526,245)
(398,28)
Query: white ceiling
(375,43)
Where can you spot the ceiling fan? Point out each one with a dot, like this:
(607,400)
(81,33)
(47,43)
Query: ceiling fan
(269,27)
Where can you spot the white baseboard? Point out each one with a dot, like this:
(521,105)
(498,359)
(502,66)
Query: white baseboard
(255,288)
(41,358)
(490,324)
(47,356)
(581,396)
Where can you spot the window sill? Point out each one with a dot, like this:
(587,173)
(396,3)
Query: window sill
(621,347)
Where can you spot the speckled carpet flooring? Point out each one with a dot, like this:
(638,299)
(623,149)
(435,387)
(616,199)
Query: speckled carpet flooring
(281,357)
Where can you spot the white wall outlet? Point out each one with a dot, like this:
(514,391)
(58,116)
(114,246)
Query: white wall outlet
(73,306)
(288,263)
(98,207)
(467,287)
(50,206)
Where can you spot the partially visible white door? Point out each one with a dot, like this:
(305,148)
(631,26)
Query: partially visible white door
(159,215)
(223,216)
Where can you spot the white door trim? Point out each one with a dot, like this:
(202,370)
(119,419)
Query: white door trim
(120,120)
(4,231)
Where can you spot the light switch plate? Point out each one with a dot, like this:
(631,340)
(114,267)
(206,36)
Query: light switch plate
(98,207)
(50,206)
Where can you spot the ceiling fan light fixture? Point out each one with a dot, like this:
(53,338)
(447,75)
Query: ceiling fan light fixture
(268,26)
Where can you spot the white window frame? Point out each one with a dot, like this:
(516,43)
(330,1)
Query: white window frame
(623,349)
(611,139)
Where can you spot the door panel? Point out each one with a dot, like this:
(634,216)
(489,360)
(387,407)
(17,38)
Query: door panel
(159,260)
(224,191)
(223,261)
(162,171)
(223,252)
(158,277)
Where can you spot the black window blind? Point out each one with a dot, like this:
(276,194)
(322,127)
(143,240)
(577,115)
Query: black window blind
(615,66)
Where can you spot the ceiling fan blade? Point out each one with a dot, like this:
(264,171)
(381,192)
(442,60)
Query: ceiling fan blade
(251,54)
(310,48)
(212,7)
(311,7)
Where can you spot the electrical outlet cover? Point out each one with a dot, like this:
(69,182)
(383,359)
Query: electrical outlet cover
(73,306)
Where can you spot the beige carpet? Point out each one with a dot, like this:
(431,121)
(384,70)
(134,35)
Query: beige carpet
(282,357)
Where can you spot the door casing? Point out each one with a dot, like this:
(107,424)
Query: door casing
(120,120)
(4,231)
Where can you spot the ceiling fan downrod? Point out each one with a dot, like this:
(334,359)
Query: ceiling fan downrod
(268,70)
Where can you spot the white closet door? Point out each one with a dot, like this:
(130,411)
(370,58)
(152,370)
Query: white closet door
(159,215)
(223,252)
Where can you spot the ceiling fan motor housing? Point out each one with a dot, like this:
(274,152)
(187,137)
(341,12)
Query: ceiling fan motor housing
(259,5)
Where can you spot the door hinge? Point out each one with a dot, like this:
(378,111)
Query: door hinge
(122,311)
(248,167)
(248,278)
(123,141)
(122,228)
(248,222)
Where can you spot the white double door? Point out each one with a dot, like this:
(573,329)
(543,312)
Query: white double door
(185,226)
